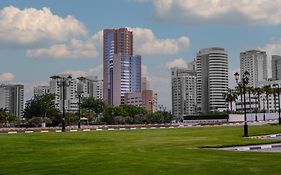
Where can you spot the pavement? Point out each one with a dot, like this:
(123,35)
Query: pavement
(276,147)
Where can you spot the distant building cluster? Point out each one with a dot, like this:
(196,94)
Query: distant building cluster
(197,88)
(200,87)
(84,86)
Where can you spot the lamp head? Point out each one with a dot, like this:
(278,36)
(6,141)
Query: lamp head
(236,75)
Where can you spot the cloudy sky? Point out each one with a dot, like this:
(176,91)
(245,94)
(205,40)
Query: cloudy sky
(42,38)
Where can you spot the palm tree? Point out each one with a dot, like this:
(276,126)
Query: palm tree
(250,89)
(268,90)
(259,91)
(230,97)
(239,92)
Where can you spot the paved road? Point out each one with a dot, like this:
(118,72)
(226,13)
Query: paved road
(268,150)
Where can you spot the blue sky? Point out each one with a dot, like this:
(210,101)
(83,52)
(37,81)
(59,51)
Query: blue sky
(37,39)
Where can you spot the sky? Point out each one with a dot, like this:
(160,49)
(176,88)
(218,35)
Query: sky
(39,39)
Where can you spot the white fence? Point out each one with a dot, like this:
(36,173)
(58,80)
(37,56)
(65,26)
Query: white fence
(252,117)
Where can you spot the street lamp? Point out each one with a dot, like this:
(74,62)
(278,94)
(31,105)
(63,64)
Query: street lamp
(263,99)
(79,95)
(151,102)
(244,81)
(64,82)
(278,92)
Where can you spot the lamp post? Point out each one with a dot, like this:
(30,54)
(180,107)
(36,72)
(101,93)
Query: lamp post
(256,110)
(263,100)
(244,81)
(79,95)
(64,81)
(278,92)
(151,102)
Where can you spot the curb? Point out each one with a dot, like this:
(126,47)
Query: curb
(259,147)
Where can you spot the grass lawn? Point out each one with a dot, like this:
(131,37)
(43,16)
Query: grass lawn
(161,151)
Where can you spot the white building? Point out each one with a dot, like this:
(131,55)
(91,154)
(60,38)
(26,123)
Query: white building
(87,86)
(91,87)
(212,79)
(254,61)
(12,99)
(276,67)
(71,88)
(183,81)
(41,90)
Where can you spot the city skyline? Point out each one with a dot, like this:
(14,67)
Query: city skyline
(38,49)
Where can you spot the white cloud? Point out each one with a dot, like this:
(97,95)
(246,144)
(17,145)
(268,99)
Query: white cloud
(75,73)
(180,62)
(74,49)
(162,86)
(144,70)
(95,71)
(231,79)
(30,25)
(219,11)
(273,48)
(146,43)
(7,76)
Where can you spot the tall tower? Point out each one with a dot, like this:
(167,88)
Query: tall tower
(11,98)
(183,91)
(254,61)
(212,79)
(121,69)
(276,67)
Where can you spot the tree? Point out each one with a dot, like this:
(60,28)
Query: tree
(268,90)
(259,91)
(96,105)
(230,97)
(3,116)
(71,119)
(250,90)
(43,106)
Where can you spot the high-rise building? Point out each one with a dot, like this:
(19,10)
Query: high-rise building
(86,86)
(146,99)
(121,69)
(91,87)
(276,67)
(183,91)
(71,88)
(254,61)
(12,99)
(212,79)
(41,90)
(126,77)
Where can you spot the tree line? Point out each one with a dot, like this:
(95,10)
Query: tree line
(41,109)
(253,94)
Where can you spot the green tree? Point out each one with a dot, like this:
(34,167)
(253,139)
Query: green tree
(43,106)
(268,90)
(94,104)
(71,119)
(250,91)
(108,114)
(3,116)
(230,97)
(259,91)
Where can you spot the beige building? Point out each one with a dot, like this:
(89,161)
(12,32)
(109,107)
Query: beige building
(146,99)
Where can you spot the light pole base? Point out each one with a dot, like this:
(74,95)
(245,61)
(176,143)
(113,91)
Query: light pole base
(246,130)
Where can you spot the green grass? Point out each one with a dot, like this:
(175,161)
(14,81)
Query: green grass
(165,151)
